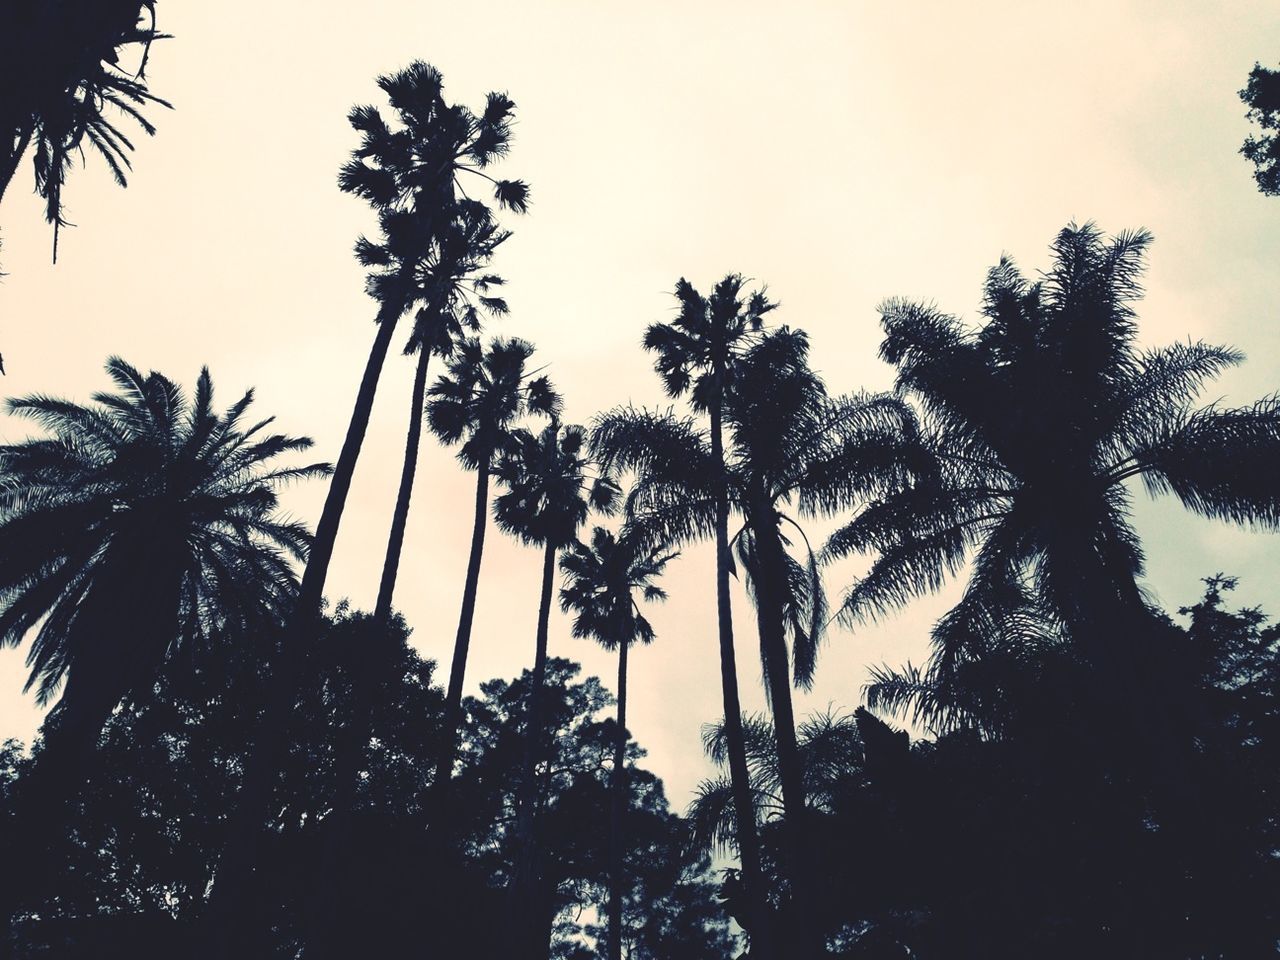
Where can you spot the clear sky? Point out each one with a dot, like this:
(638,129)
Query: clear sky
(841,152)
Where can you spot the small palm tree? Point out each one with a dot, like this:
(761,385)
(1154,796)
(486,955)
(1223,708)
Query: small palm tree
(1032,423)
(60,67)
(695,356)
(601,582)
(551,489)
(486,392)
(147,523)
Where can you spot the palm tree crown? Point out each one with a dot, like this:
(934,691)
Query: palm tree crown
(550,485)
(61,72)
(602,579)
(145,522)
(1033,423)
(486,391)
(696,350)
(435,142)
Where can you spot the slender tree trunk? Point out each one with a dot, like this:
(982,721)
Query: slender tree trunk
(233,883)
(744,808)
(802,937)
(11,163)
(617,804)
(353,737)
(527,872)
(328,940)
(413,439)
(457,670)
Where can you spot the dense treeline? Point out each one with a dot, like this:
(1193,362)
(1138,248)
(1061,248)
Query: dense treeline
(230,770)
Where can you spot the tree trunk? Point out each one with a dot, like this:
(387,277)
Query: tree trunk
(352,738)
(799,930)
(457,671)
(527,879)
(744,808)
(400,519)
(617,804)
(232,887)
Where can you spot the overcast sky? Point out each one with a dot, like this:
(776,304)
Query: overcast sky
(841,152)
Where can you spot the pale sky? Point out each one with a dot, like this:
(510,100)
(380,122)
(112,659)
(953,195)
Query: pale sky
(840,152)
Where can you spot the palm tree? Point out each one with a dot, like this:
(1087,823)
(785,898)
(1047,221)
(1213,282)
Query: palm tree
(486,392)
(550,490)
(60,68)
(456,296)
(147,523)
(695,356)
(838,751)
(791,443)
(830,745)
(410,174)
(601,583)
(1032,424)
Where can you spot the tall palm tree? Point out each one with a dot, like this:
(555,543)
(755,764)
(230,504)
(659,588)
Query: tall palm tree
(601,582)
(550,489)
(409,172)
(695,356)
(456,295)
(60,68)
(791,444)
(146,523)
(486,392)
(1032,424)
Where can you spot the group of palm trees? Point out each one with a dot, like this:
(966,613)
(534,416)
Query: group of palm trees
(148,523)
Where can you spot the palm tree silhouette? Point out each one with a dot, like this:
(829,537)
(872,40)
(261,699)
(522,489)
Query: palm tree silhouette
(601,582)
(1031,425)
(456,296)
(61,72)
(695,356)
(549,492)
(409,174)
(486,392)
(791,443)
(147,523)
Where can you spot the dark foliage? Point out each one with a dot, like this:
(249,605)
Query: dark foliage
(1262,97)
(72,78)
(148,823)
(1063,836)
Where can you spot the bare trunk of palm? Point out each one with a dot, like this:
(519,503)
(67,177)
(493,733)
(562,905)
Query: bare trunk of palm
(395,541)
(527,873)
(457,670)
(233,883)
(349,749)
(744,808)
(799,930)
(617,804)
